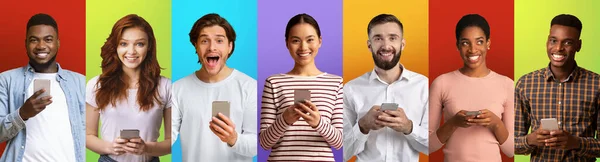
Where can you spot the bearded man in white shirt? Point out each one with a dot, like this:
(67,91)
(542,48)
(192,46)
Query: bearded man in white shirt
(215,138)
(376,134)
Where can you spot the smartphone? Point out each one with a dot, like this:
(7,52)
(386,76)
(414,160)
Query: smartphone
(549,124)
(220,107)
(39,84)
(389,106)
(129,133)
(473,113)
(300,95)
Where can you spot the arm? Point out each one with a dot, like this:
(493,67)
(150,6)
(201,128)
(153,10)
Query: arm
(177,118)
(438,135)
(12,123)
(272,127)
(418,138)
(354,139)
(246,141)
(590,146)
(92,141)
(508,119)
(522,121)
(163,147)
(332,132)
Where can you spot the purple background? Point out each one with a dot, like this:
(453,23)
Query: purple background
(273,56)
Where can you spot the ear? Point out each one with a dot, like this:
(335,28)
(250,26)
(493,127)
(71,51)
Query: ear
(403,44)
(369,44)
(489,43)
(320,41)
(57,43)
(230,47)
(579,45)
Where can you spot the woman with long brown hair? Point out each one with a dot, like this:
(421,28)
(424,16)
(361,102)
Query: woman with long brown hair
(129,97)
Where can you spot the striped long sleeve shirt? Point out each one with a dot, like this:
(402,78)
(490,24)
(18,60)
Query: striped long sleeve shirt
(574,103)
(299,141)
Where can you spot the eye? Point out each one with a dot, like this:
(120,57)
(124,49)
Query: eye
(568,43)
(220,41)
(393,38)
(295,41)
(204,41)
(377,39)
(479,42)
(48,40)
(140,44)
(310,40)
(123,44)
(33,40)
(552,41)
(464,43)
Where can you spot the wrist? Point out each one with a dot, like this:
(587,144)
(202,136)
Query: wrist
(22,115)
(232,142)
(362,127)
(409,128)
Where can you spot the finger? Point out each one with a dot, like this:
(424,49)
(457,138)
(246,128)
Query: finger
(120,140)
(387,119)
(220,130)
(219,122)
(132,145)
(376,108)
(387,124)
(557,133)
(312,106)
(38,93)
(136,140)
(306,108)
(303,115)
(485,120)
(551,140)
(393,113)
(226,120)
(543,132)
(129,149)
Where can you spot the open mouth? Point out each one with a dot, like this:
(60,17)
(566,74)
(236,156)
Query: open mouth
(41,55)
(474,58)
(558,57)
(130,58)
(304,54)
(212,60)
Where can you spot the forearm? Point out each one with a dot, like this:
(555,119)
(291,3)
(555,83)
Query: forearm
(97,145)
(500,133)
(270,135)
(589,147)
(330,133)
(159,148)
(445,131)
(10,126)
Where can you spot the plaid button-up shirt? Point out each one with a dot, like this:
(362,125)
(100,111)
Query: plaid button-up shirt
(574,102)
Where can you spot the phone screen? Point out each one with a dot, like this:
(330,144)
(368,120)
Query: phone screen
(39,84)
(220,107)
(301,95)
(129,133)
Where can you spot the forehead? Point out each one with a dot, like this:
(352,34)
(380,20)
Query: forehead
(212,31)
(41,31)
(303,29)
(386,29)
(472,32)
(563,32)
(134,33)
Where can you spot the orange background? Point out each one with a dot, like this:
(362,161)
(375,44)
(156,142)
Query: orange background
(444,56)
(70,17)
(357,57)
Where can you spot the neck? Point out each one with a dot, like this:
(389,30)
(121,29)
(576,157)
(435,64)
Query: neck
(391,75)
(50,67)
(132,76)
(563,72)
(478,72)
(305,70)
(204,76)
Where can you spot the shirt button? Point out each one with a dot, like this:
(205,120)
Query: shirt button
(559,102)
(22,147)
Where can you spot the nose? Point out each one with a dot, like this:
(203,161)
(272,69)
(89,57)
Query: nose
(471,49)
(212,46)
(41,45)
(131,49)
(304,45)
(558,47)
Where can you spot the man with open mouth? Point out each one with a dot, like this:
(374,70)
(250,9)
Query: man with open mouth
(42,124)
(563,91)
(215,138)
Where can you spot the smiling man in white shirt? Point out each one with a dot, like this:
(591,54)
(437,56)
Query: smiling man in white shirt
(374,134)
(203,136)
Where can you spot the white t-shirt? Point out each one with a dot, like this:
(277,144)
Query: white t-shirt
(127,115)
(49,135)
(192,112)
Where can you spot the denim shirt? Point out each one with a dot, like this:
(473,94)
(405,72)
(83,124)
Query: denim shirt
(13,88)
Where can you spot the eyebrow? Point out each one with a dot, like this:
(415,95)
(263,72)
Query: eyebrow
(134,40)
(206,35)
(310,36)
(463,38)
(32,36)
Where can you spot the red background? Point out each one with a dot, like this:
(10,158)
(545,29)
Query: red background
(443,54)
(70,17)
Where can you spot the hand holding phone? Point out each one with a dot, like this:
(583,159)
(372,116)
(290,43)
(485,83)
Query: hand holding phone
(222,107)
(301,95)
(389,106)
(473,113)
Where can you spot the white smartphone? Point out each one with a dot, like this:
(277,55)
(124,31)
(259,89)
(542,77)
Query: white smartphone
(549,124)
(220,107)
(389,106)
(39,84)
(129,133)
(301,95)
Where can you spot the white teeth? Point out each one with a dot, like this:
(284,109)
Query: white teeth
(558,57)
(473,58)
(385,54)
(303,54)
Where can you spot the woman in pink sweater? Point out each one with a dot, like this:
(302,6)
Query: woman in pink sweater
(477,104)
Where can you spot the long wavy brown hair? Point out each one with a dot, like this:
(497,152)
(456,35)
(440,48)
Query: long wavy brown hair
(112,84)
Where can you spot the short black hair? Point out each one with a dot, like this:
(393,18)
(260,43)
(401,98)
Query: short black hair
(384,18)
(472,20)
(42,19)
(209,20)
(567,20)
(301,18)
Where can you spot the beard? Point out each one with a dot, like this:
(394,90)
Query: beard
(35,64)
(386,65)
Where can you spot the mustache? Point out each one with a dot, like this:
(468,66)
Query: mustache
(384,50)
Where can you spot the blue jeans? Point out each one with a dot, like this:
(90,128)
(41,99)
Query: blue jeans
(105,158)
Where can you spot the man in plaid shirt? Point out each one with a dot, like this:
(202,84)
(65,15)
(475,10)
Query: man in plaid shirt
(564,91)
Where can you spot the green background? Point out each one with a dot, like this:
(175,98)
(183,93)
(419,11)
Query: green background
(100,18)
(532,26)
